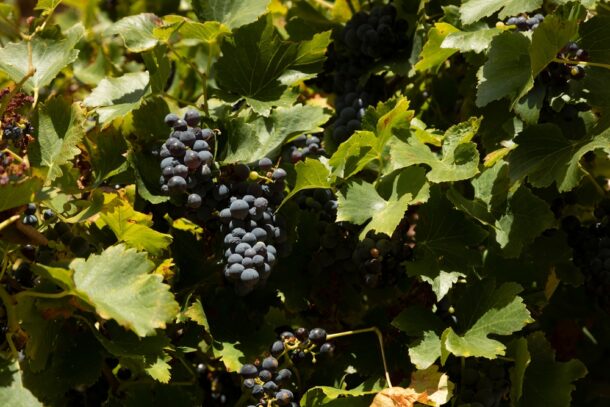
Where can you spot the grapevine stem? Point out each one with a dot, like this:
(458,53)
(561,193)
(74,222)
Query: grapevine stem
(585,63)
(7,222)
(12,154)
(377,332)
(590,177)
(37,294)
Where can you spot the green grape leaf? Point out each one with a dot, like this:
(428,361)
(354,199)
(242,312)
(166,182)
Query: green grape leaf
(433,55)
(393,115)
(354,154)
(474,10)
(595,37)
(47,6)
(547,381)
(442,283)
(548,39)
(311,174)
(146,171)
(126,344)
(492,185)
(115,97)
(443,241)
(13,393)
(208,32)
(507,72)
(49,57)
(361,202)
(529,106)
(13,195)
(466,41)
(60,128)
(63,370)
(132,227)
(42,333)
(257,65)
(159,67)
(107,154)
(159,370)
(416,320)
(232,13)
(473,207)
(459,160)
(526,217)
(424,353)
(136,31)
(545,156)
(253,137)
(119,285)
(196,314)
(517,351)
(486,310)
(231,356)
(323,395)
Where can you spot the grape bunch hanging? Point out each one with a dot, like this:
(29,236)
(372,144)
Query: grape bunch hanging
(242,199)
(268,382)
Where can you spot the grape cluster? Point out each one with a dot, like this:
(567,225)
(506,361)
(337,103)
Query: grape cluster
(267,381)
(526,23)
(380,258)
(11,168)
(557,74)
(481,382)
(378,34)
(591,246)
(29,215)
(350,110)
(251,228)
(187,161)
(366,39)
(302,147)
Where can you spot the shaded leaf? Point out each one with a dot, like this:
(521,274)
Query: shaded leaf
(13,393)
(507,72)
(251,138)
(258,65)
(547,381)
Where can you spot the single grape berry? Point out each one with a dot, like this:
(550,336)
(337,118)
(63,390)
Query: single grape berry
(192,118)
(171,119)
(317,335)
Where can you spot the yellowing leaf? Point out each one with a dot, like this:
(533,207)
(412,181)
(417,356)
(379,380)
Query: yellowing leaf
(133,227)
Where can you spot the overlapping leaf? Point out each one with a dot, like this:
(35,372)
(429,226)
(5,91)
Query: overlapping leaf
(486,310)
(252,137)
(60,129)
(257,65)
(115,97)
(362,202)
(49,57)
